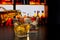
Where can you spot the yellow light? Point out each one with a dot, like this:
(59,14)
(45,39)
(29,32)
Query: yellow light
(4,3)
(37,3)
(32,2)
(39,15)
(43,14)
(27,27)
(35,14)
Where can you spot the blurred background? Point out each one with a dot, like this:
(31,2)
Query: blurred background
(21,13)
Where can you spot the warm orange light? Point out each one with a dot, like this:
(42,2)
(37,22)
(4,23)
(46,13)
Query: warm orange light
(42,3)
(27,27)
(35,14)
(39,15)
(9,3)
(32,2)
(25,16)
(4,3)
(43,15)
(18,16)
(35,2)
(7,0)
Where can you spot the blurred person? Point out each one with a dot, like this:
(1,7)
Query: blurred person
(19,17)
(15,21)
(43,17)
(25,16)
(27,20)
(1,24)
(38,14)
(37,19)
(3,20)
(43,14)
(21,20)
(35,14)
(34,23)
(9,22)
(33,18)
